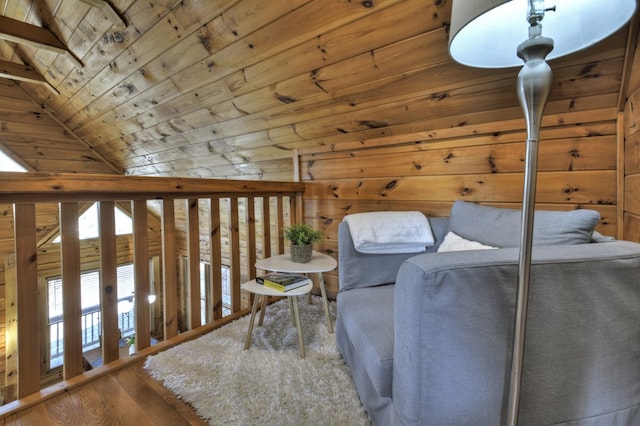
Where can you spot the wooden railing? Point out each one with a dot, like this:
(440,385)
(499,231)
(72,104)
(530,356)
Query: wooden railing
(221,222)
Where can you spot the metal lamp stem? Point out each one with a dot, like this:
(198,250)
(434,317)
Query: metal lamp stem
(534,85)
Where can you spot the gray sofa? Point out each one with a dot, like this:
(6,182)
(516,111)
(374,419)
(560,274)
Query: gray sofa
(428,337)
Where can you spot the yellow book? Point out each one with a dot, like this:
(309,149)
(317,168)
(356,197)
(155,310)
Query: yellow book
(282,281)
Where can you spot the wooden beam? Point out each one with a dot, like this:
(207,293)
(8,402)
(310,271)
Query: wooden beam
(108,11)
(24,73)
(38,37)
(620,177)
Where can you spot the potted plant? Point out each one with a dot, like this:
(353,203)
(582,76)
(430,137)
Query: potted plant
(131,341)
(301,235)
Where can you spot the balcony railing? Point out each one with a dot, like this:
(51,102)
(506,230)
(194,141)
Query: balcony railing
(221,222)
(91,330)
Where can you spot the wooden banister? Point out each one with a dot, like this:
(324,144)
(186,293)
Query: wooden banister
(166,231)
(40,187)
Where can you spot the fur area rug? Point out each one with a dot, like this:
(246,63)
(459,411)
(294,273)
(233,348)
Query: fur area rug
(269,383)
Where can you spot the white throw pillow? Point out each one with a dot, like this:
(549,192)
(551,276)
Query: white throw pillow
(454,242)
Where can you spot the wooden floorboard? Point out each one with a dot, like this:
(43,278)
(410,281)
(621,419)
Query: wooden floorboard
(125,397)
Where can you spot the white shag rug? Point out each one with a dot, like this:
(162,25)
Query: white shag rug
(269,383)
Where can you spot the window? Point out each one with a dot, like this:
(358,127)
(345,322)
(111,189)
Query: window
(88,226)
(206,296)
(90,299)
(7,164)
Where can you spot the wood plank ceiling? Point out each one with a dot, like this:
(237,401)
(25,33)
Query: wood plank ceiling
(229,88)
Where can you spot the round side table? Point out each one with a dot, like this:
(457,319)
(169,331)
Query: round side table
(262,292)
(318,264)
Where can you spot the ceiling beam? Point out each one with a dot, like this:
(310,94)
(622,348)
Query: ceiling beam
(31,35)
(108,10)
(21,72)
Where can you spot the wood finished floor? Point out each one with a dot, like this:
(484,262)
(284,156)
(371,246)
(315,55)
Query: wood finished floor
(126,397)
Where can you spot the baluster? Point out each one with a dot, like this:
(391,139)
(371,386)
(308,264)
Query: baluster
(108,282)
(170,276)
(71,291)
(251,237)
(266,227)
(280,224)
(234,236)
(141,274)
(193,254)
(216,257)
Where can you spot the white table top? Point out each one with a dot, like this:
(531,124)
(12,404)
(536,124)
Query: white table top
(319,262)
(253,287)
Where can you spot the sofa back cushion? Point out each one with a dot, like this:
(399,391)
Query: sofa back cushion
(500,227)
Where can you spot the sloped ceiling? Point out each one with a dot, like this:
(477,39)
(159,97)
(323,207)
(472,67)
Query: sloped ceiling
(229,88)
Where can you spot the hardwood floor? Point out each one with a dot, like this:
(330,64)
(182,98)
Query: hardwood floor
(128,396)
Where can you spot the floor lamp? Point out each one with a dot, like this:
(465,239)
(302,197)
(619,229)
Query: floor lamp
(502,34)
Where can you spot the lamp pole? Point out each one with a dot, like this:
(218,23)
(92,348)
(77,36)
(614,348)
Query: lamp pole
(534,85)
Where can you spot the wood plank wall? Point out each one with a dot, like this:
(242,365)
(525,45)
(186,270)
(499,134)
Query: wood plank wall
(429,170)
(631,219)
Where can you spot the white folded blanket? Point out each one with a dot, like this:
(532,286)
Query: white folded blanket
(390,232)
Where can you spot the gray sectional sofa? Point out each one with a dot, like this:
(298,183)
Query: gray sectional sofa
(428,337)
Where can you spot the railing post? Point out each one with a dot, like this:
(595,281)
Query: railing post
(24,216)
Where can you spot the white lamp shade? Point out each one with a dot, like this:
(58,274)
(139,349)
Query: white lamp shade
(486,33)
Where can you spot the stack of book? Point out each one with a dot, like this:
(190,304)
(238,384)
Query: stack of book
(282,281)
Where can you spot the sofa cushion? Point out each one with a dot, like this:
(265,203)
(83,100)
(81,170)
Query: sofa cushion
(365,316)
(500,227)
(454,242)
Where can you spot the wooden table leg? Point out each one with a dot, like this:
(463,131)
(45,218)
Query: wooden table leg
(323,291)
(292,309)
(296,313)
(263,308)
(254,309)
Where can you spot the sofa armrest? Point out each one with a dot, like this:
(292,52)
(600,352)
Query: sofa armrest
(454,315)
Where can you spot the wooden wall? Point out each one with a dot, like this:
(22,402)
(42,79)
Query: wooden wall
(632,154)
(483,162)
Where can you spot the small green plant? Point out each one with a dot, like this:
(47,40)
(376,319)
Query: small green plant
(302,234)
(130,340)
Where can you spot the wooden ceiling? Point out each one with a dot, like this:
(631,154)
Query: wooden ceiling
(229,88)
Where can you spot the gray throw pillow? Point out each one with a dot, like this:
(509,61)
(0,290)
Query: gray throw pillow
(501,227)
